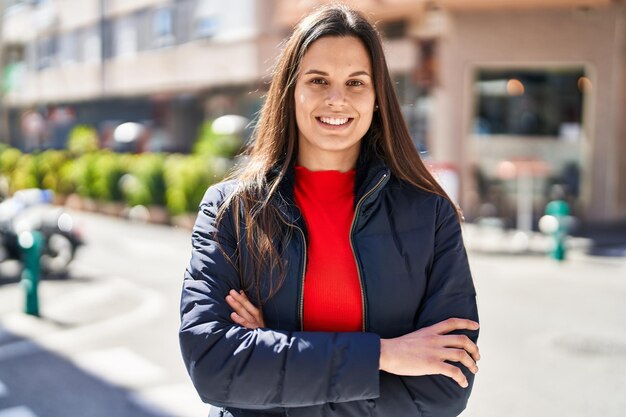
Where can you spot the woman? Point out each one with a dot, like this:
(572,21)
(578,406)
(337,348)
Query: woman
(363,298)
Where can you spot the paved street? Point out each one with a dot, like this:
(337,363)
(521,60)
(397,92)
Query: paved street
(553,341)
(107,345)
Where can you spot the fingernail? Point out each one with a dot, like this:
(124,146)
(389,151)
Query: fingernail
(465,384)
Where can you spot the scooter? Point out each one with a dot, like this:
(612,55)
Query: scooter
(30,210)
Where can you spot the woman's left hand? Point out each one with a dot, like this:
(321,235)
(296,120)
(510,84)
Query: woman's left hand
(245,313)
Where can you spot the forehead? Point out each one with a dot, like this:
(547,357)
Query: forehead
(334,54)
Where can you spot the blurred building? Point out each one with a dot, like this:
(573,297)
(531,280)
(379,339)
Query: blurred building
(493,89)
(489,88)
(167,64)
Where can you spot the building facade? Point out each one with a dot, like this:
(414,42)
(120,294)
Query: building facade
(169,64)
(503,98)
(514,97)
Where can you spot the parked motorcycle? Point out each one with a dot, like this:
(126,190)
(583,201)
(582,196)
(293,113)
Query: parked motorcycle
(30,210)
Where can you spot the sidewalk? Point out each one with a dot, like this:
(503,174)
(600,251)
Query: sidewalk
(552,337)
(498,241)
(82,336)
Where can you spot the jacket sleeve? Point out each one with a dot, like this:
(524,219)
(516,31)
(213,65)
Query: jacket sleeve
(262,368)
(450,293)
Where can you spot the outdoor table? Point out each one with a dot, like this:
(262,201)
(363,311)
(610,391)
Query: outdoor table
(524,171)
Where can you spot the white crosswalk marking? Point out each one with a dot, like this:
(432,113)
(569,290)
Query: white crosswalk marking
(17,412)
(172,399)
(3,390)
(121,366)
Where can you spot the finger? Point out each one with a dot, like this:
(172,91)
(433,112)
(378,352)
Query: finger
(239,308)
(243,299)
(454,373)
(462,342)
(461,356)
(241,321)
(453,324)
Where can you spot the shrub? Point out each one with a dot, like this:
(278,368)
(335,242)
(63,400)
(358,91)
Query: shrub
(67,183)
(187,178)
(109,168)
(8,160)
(49,165)
(212,144)
(83,139)
(145,182)
(83,175)
(25,174)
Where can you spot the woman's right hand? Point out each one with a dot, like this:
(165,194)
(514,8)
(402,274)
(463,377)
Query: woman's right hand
(424,351)
(244,312)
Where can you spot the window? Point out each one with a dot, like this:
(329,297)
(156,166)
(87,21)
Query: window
(46,50)
(125,37)
(14,68)
(144,33)
(533,102)
(163,27)
(206,19)
(91,51)
(68,48)
(184,20)
(31,56)
(394,29)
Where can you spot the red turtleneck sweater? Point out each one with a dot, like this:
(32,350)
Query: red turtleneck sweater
(332,291)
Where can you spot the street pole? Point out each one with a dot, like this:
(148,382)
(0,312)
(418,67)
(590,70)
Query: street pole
(31,244)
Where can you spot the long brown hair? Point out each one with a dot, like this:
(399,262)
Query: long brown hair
(275,141)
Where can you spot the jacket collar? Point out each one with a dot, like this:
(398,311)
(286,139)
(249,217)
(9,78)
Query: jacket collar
(370,170)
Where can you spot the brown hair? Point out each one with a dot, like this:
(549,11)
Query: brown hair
(275,140)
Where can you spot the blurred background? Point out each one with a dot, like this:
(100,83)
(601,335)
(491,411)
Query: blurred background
(126,110)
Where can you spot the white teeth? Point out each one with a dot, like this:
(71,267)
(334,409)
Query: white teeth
(333,121)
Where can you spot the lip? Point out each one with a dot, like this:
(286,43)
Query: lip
(334,127)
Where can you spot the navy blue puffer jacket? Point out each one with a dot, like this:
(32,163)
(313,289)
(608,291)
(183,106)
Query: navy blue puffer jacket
(414,273)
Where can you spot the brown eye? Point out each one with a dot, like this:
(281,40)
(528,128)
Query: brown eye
(319,81)
(355,83)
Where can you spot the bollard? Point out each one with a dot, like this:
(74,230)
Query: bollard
(30,244)
(559,210)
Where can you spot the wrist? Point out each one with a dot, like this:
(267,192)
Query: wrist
(384,353)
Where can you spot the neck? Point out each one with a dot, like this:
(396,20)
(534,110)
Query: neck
(328,161)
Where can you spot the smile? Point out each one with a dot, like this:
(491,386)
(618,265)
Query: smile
(334,122)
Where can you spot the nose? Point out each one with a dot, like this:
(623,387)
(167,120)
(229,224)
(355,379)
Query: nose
(335,97)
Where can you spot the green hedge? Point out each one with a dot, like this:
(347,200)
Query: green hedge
(144,182)
(175,181)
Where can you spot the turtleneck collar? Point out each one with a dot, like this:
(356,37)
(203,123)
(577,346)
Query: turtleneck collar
(370,168)
(327,185)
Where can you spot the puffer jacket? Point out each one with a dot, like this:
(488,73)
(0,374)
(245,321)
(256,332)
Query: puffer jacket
(413,269)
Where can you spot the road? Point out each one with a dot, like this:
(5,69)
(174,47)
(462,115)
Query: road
(107,345)
(552,340)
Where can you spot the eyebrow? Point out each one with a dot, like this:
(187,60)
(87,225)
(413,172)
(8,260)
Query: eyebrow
(354,74)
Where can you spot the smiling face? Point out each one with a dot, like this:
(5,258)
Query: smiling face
(334,103)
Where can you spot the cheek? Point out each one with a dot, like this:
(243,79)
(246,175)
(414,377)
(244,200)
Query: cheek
(366,110)
(302,111)
(300,100)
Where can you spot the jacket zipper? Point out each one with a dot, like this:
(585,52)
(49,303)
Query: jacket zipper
(358,267)
(304,259)
(356,260)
